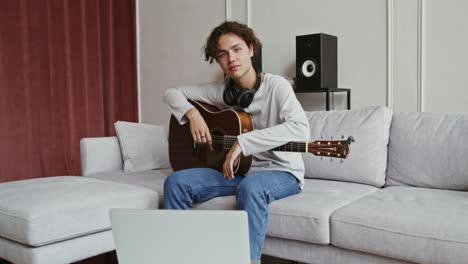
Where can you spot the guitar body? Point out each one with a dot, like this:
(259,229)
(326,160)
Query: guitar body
(184,154)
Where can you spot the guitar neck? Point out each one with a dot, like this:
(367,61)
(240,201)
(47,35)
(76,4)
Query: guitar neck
(228,141)
(292,147)
(325,148)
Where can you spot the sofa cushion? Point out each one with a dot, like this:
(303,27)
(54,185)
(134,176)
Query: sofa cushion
(143,146)
(409,223)
(305,216)
(428,150)
(367,160)
(41,211)
(152,179)
(100,154)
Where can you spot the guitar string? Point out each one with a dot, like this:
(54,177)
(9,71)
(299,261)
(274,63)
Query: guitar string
(288,145)
(232,136)
(227,140)
(318,145)
(233,141)
(291,146)
(227,137)
(220,139)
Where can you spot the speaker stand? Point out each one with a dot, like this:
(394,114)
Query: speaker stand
(327,92)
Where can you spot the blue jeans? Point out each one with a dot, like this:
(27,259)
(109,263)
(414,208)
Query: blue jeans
(253,194)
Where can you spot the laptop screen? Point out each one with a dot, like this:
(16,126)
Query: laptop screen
(180,236)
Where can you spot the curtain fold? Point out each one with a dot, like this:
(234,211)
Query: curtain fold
(67,71)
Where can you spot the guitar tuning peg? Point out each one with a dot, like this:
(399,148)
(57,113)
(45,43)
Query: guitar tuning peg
(342,136)
(321,158)
(341,161)
(331,159)
(331,138)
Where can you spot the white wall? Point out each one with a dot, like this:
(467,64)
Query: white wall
(407,54)
(445,56)
(171,37)
(361,29)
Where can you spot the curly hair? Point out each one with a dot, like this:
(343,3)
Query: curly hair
(241,30)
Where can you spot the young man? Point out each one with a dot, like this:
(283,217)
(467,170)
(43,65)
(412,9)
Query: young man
(278,119)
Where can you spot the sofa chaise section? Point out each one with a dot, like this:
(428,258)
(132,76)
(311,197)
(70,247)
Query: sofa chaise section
(62,219)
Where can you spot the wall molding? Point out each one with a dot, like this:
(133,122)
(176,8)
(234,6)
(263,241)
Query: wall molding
(248,10)
(390,53)
(228,10)
(420,57)
(390,101)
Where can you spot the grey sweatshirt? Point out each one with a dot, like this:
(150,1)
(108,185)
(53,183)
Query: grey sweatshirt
(277,116)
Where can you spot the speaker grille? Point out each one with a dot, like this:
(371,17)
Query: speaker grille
(308,68)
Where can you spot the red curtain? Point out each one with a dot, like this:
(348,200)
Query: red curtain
(67,71)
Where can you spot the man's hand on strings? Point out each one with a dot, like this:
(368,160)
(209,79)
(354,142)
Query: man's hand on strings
(198,127)
(232,159)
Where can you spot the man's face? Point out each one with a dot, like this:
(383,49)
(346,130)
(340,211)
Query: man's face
(234,55)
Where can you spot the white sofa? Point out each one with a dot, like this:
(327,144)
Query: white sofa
(400,197)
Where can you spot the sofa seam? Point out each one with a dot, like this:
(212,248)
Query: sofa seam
(400,233)
(283,214)
(299,216)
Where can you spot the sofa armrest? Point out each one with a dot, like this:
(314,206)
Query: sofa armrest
(100,154)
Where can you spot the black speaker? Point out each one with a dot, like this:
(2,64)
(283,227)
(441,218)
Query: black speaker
(316,61)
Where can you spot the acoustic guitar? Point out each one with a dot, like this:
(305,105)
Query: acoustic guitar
(225,126)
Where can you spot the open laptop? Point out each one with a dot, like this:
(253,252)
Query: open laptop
(180,236)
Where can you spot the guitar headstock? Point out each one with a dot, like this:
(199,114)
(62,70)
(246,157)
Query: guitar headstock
(331,148)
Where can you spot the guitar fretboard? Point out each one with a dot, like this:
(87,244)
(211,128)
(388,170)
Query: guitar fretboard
(228,141)
(292,147)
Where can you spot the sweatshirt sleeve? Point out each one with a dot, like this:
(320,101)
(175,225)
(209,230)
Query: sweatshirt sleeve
(176,98)
(293,125)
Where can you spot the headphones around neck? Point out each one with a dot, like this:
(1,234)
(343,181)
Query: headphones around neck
(239,96)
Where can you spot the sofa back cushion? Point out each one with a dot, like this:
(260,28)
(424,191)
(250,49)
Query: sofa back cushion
(367,159)
(143,146)
(428,150)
